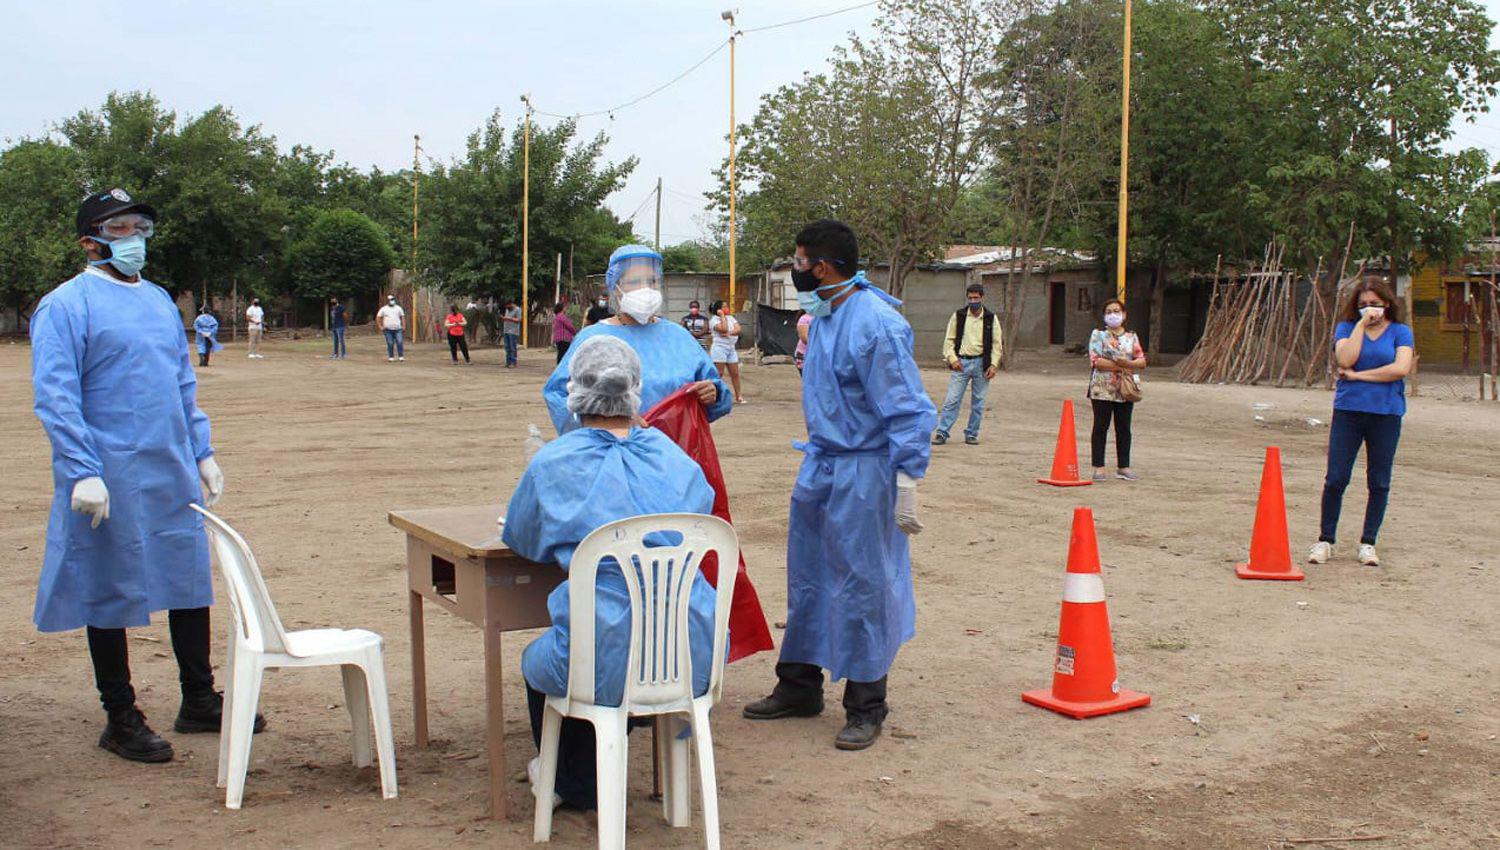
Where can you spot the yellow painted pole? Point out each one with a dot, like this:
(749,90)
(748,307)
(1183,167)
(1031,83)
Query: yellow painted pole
(1120,267)
(416,175)
(526,226)
(734,306)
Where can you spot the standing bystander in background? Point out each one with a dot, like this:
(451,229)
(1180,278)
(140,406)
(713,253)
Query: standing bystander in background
(255,326)
(972,347)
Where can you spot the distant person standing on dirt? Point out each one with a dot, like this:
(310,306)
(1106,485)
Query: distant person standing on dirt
(563,330)
(511,331)
(207,328)
(255,326)
(697,323)
(1114,387)
(455,324)
(799,357)
(972,348)
(723,351)
(338,324)
(392,321)
(1373,352)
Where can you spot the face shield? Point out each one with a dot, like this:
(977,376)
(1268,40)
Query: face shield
(634,281)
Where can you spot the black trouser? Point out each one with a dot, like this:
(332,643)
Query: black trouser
(800,684)
(111,656)
(457,343)
(562,348)
(203,358)
(1120,410)
(577,780)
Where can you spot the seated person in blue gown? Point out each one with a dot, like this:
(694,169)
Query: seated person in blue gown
(604,471)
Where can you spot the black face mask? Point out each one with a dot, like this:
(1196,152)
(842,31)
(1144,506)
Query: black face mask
(805,281)
(976,306)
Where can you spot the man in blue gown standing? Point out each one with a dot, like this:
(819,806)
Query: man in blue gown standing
(850,603)
(115,392)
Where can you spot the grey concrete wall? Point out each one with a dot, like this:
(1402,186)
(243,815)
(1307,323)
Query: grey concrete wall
(931,297)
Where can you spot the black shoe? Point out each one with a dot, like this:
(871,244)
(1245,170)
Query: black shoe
(857,734)
(205,713)
(127,736)
(772,708)
(972,441)
(939,438)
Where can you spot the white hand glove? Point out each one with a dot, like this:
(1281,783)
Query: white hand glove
(213,481)
(91,497)
(906,504)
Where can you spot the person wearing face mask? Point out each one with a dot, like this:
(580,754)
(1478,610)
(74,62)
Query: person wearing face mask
(131,453)
(1373,353)
(598,312)
(670,357)
(510,325)
(1116,358)
(972,349)
(206,326)
(850,604)
(392,321)
(726,336)
(697,323)
(255,318)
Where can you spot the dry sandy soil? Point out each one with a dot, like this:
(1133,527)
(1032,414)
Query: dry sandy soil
(1362,702)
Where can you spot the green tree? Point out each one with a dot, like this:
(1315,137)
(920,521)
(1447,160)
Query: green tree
(41,183)
(885,139)
(343,253)
(682,257)
(471,228)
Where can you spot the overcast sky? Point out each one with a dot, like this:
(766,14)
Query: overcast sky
(360,78)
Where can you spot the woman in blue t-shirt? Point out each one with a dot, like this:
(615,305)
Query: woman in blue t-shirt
(1373,352)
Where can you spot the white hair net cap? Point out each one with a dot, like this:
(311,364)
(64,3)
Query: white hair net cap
(605,378)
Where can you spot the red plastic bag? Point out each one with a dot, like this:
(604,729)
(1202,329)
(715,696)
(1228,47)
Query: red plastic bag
(680,416)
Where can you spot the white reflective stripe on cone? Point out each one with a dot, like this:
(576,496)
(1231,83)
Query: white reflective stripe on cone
(1083,587)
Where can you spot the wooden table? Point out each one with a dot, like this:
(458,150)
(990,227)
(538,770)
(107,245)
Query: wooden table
(454,559)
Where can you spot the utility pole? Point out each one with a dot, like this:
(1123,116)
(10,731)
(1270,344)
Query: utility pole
(658,215)
(526,225)
(728,17)
(416,177)
(1121,265)
(557,286)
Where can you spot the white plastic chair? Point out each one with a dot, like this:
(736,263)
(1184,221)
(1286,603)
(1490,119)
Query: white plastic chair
(259,642)
(658,672)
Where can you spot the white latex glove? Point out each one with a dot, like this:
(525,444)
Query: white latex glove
(91,497)
(213,481)
(906,504)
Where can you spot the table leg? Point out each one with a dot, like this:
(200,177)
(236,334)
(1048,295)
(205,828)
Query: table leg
(418,669)
(494,698)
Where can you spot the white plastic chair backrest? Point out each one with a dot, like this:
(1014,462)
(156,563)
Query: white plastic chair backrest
(659,579)
(255,615)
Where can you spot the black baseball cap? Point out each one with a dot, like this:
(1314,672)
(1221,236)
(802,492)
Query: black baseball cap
(101,205)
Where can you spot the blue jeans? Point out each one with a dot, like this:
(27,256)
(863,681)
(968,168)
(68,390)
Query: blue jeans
(1379,433)
(511,340)
(339,348)
(971,375)
(393,345)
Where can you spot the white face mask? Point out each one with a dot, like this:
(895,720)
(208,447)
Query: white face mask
(641,304)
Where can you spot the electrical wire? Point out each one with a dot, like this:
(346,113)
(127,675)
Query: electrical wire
(769,27)
(699,64)
(658,90)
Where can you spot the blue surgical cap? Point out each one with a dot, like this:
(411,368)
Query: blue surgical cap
(621,259)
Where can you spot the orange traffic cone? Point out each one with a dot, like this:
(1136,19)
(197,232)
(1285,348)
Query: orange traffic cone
(1065,458)
(1083,677)
(1270,544)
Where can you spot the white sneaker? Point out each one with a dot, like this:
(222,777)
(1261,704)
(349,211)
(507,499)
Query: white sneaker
(402,359)
(252,356)
(1320,552)
(390,360)
(1367,555)
(532,768)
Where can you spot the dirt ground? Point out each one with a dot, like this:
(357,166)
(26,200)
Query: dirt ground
(1362,702)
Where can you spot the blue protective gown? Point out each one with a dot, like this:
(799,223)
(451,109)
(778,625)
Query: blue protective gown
(576,483)
(207,328)
(850,604)
(117,397)
(670,358)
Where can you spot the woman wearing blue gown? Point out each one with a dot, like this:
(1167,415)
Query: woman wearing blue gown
(670,356)
(207,328)
(604,470)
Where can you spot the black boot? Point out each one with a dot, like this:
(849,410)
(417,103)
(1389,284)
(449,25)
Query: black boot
(204,712)
(127,736)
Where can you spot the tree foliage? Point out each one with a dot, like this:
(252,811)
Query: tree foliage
(343,253)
